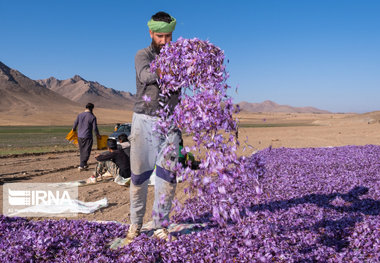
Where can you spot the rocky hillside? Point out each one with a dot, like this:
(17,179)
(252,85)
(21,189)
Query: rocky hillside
(270,106)
(19,92)
(83,91)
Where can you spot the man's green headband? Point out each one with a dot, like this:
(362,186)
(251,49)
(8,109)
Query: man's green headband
(162,27)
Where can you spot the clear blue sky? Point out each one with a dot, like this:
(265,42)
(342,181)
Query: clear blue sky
(321,53)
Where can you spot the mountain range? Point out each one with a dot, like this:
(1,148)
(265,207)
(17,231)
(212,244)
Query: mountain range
(270,106)
(22,95)
(82,91)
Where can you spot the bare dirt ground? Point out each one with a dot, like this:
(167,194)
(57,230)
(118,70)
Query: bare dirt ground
(35,117)
(332,130)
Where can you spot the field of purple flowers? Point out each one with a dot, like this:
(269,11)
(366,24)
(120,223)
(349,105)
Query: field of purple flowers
(317,205)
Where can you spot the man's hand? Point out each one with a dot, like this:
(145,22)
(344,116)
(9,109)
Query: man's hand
(159,73)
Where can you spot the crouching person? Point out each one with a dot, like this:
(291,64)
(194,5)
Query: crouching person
(112,163)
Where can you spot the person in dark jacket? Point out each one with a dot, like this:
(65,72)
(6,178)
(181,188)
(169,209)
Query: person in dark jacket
(112,163)
(86,123)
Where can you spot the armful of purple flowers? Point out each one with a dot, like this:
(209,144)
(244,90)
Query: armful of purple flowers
(196,69)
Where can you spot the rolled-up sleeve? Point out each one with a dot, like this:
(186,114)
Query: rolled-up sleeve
(142,65)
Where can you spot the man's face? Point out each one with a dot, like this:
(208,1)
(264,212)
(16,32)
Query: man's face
(160,39)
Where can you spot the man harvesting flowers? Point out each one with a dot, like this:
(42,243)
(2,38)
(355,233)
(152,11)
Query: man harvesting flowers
(148,147)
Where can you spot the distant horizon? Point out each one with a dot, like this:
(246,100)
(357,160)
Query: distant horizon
(243,101)
(320,53)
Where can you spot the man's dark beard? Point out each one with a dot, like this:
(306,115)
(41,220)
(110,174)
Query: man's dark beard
(156,47)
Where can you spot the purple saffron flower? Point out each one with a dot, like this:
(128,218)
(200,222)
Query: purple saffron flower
(146,98)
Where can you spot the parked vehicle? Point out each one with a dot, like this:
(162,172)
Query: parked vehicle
(123,128)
